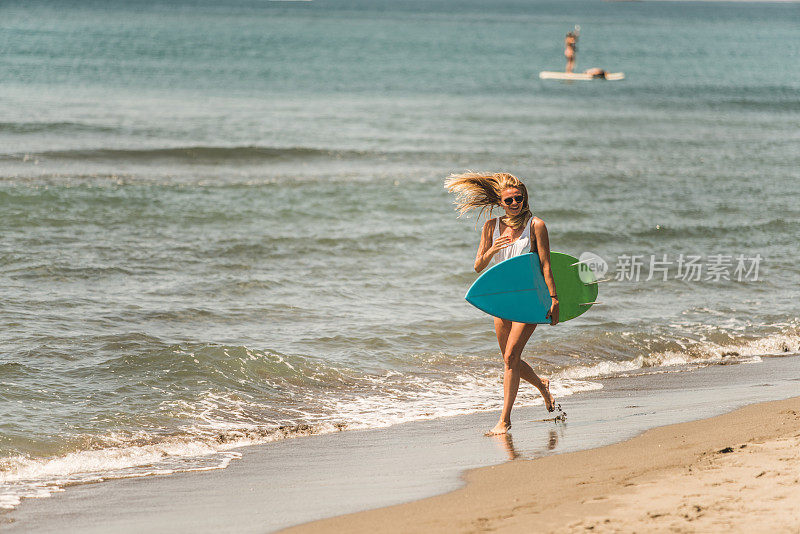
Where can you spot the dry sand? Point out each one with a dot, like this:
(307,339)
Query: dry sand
(737,472)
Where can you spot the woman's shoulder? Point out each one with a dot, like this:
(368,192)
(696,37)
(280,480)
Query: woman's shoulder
(490,224)
(537,226)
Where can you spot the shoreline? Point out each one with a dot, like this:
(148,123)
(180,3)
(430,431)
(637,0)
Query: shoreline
(294,482)
(736,470)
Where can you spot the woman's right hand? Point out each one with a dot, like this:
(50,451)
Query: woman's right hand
(486,251)
(501,243)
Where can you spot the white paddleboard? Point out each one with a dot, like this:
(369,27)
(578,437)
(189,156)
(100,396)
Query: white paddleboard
(552,75)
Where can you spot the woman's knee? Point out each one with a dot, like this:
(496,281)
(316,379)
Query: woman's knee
(511,358)
(503,324)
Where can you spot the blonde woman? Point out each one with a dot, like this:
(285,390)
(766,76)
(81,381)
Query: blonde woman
(515,233)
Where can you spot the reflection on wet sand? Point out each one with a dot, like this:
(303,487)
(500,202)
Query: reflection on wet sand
(506,442)
(553,441)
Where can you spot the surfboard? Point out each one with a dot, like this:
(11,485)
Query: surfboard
(514,289)
(551,75)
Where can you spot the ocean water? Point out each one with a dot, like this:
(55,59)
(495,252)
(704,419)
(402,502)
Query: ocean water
(223,223)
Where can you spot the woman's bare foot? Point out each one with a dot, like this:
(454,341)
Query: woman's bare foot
(500,428)
(549,401)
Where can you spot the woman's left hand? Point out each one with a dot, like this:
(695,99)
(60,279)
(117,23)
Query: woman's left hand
(553,313)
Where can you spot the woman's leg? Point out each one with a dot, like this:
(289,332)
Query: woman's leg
(570,60)
(542,384)
(502,328)
(517,337)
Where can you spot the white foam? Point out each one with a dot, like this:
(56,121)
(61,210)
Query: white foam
(25,477)
(696,353)
(599,369)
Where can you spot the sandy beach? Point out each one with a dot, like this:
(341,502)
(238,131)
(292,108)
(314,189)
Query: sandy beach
(737,472)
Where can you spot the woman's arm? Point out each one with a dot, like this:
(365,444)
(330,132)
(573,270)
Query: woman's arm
(487,249)
(543,248)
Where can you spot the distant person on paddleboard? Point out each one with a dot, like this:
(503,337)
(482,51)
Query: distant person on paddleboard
(596,72)
(504,237)
(571,48)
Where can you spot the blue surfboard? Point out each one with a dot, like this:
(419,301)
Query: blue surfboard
(515,289)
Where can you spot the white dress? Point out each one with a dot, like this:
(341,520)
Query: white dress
(520,246)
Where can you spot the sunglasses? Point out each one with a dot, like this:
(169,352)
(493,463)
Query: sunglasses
(518,199)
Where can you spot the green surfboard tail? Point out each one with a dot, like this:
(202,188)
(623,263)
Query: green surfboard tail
(576,285)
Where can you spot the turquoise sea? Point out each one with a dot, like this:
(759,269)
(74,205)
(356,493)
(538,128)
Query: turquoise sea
(223,223)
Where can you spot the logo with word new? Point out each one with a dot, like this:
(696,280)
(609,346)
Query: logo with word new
(591,267)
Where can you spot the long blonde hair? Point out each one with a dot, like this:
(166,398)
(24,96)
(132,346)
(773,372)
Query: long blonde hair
(482,191)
